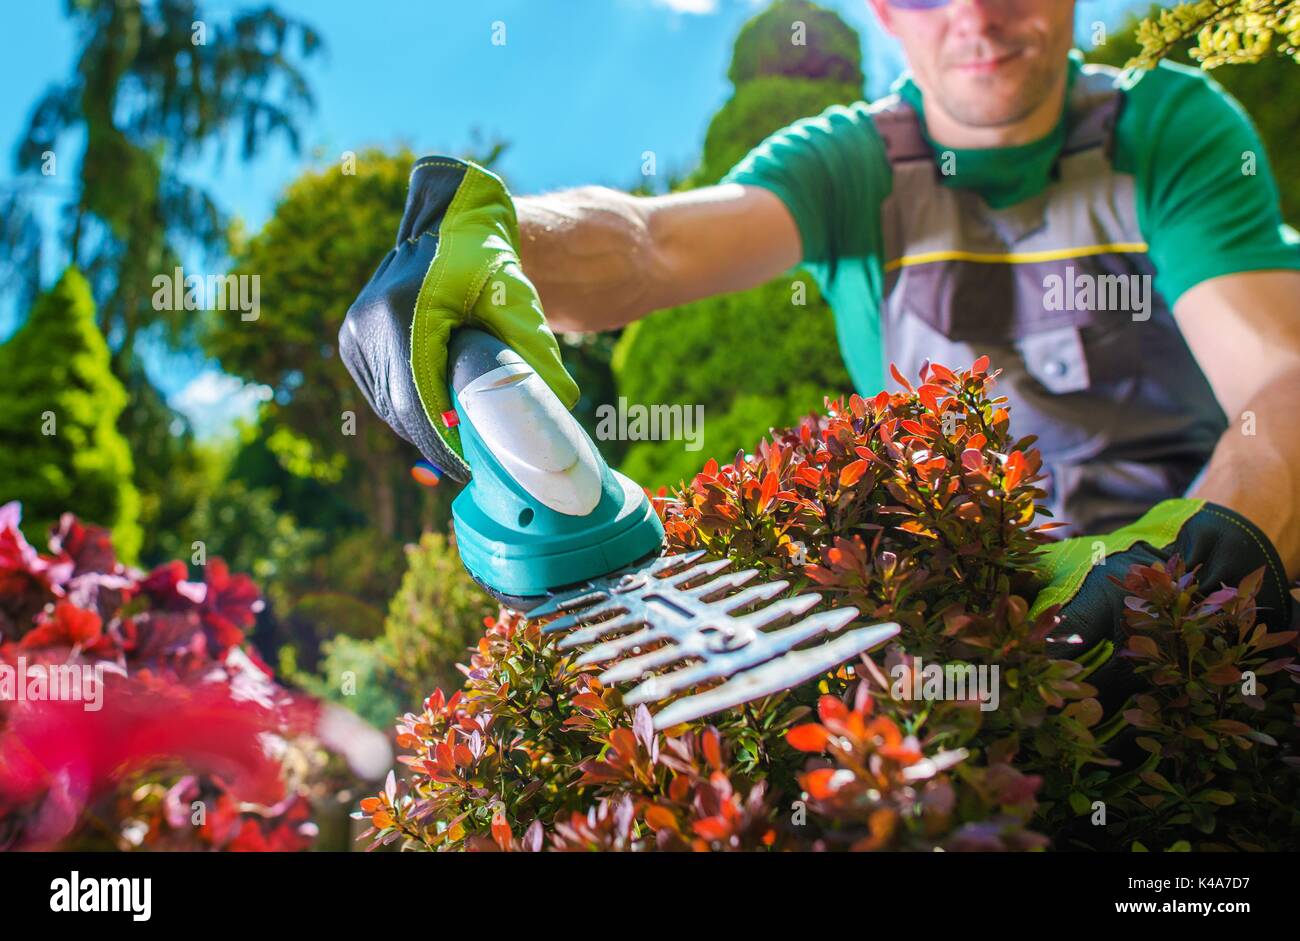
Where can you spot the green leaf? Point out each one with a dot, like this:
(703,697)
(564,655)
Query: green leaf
(1221,798)
(1157,780)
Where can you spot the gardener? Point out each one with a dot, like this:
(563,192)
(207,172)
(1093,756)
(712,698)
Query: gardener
(1118,253)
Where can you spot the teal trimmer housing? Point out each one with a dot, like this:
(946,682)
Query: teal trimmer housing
(542,511)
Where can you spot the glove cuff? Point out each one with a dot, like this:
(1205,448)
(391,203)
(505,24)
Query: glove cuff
(1218,534)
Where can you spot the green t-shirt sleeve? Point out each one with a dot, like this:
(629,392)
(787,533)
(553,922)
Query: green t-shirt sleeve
(832,173)
(1201,209)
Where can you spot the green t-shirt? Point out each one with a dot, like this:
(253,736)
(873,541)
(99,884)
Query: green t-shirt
(1187,144)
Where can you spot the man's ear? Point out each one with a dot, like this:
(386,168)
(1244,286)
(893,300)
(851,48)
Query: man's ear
(885,14)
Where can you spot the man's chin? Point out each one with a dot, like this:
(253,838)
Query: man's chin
(988,102)
(986,114)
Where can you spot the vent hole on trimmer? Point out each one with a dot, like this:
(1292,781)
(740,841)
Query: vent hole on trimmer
(525,516)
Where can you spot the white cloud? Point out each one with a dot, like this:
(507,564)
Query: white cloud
(689,6)
(213,401)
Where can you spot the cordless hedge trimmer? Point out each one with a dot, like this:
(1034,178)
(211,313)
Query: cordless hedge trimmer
(548,528)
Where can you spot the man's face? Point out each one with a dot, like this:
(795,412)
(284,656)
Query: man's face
(987,63)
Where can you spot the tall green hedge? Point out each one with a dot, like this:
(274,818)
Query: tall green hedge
(60,448)
(753,360)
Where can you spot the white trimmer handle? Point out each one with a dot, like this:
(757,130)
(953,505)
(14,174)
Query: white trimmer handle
(524,424)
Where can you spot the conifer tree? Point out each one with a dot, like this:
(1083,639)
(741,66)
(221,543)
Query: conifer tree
(60,449)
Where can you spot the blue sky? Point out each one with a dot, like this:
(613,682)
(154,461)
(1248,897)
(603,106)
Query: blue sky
(580,89)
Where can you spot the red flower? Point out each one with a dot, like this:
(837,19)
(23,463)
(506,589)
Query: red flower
(230,605)
(70,626)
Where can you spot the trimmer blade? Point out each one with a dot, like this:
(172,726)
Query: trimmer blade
(679,621)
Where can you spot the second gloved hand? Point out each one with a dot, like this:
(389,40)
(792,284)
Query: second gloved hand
(1222,545)
(456,263)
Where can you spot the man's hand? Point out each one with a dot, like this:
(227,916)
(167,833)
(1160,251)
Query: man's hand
(1222,545)
(456,263)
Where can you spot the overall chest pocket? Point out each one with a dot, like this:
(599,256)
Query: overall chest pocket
(1069,325)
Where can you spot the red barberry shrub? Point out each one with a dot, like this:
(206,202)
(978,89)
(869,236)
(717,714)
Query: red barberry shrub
(177,751)
(917,507)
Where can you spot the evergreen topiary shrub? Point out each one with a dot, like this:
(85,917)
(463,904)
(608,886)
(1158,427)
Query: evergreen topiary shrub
(59,407)
(797,39)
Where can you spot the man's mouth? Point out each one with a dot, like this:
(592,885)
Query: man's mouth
(986,65)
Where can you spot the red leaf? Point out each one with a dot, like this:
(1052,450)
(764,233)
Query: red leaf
(942,373)
(1222,675)
(589,701)
(852,473)
(808,737)
(1014,471)
(712,748)
(623,741)
(501,832)
(830,709)
(818,783)
(930,395)
(658,817)
(712,828)
(70,626)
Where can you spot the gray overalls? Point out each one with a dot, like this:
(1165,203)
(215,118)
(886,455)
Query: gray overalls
(1124,416)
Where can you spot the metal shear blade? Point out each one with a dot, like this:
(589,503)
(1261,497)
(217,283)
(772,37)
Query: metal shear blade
(674,626)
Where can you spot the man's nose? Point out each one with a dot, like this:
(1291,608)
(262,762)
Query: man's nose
(977,16)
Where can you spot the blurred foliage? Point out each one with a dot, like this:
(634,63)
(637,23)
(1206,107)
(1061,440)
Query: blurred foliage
(342,588)
(173,471)
(436,616)
(317,251)
(706,352)
(148,99)
(357,674)
(59,405)
(382,670)
(1221,32)
(154,87)
(243,525)
(171,656)
(1269,90)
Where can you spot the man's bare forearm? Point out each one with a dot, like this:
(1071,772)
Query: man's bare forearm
(600,258)
(590,255)
(1255,469)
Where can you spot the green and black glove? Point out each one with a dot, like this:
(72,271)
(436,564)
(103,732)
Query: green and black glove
(456,263)
(1222,545)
